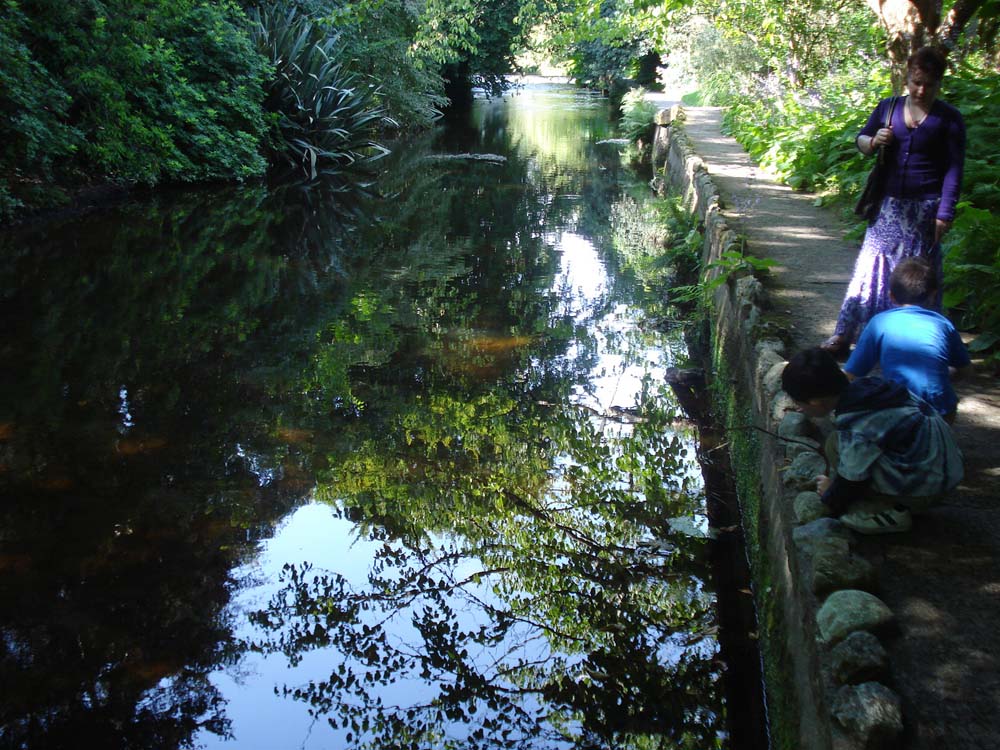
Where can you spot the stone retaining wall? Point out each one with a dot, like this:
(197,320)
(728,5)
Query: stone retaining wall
(818,622)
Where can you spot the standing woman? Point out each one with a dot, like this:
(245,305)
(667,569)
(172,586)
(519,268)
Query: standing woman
(924,156)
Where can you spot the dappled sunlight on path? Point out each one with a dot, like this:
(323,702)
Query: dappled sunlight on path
(779,223)
(942,578)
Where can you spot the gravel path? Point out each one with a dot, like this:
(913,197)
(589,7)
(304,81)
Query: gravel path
(942,579)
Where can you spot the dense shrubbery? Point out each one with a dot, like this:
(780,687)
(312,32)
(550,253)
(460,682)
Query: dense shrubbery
(808,141)
(376,42)
(972,271)
(124,91)
(169,91)
(151,91)
(972,275)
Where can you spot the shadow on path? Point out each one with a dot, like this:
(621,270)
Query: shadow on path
(942,579)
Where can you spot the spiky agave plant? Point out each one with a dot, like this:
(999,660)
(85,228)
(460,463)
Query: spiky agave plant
(327,119)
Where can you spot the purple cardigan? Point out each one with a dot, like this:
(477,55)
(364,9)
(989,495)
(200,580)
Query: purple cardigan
(926,161)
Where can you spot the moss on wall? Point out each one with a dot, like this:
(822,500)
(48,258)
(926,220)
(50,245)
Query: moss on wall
(782,702)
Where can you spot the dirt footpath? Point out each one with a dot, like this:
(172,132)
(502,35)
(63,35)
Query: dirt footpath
(941,579)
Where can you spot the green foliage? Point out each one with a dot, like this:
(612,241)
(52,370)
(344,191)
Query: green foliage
(33,110)
(972,274)
(972,260)
(730,264)
(975,89)
(600,42)
(601,65)
(794,45)
(637,115)
(166,92)
(127,92)
(326,118)
(807,139)
(658,240)
(499,28)
(377,44)
(410,49)
(733,262)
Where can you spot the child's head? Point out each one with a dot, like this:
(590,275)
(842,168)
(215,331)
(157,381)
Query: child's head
(913,282)
(814,380)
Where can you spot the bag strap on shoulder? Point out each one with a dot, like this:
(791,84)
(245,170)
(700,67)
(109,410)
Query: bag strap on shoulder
(892,107)
(888,123)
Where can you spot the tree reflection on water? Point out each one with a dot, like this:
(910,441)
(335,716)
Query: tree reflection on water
(526,586)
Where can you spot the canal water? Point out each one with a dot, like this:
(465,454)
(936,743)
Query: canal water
(394,467)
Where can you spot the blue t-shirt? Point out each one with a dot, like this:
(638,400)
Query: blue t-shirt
(915,347)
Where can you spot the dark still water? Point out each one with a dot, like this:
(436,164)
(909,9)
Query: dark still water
(279,470)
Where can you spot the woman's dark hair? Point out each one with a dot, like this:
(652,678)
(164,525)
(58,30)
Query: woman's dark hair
(813,373)
(928,60)
(913,281)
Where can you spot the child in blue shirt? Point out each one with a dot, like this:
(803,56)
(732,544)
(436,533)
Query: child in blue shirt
(914,346)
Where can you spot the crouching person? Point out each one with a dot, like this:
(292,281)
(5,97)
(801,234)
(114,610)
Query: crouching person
(891,454)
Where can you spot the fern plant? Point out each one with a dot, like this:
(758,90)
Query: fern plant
(637,116)
(728,265)
(972,275)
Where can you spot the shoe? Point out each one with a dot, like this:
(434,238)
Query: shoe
(893,520)
(838,346)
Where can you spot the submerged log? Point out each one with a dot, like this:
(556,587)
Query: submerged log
(491,158)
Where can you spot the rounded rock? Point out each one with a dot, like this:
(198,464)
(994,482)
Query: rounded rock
(860,657)
(794,424)
(802,472)
(845,612)
(836,570)
(808,507)
(870,712)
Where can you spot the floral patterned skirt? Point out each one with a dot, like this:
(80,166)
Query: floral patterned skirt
(903,229)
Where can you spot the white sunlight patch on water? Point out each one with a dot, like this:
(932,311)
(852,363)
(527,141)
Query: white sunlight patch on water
(583,282)
(313,533)
(264,720)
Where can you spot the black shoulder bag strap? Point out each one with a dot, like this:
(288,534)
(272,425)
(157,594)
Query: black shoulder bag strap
(888,124)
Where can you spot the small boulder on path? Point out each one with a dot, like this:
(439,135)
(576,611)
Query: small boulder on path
(871,713)
(845,612)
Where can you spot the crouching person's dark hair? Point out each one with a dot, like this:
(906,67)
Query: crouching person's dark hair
(813,373)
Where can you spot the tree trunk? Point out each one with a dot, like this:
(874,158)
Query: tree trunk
(912,24)
(955,22)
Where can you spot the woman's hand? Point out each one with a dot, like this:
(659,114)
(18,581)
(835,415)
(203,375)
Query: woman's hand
(941,227)
(869,145)
(883,137)
(823,483)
